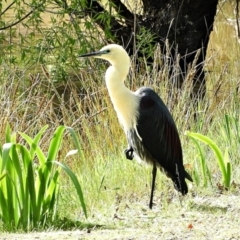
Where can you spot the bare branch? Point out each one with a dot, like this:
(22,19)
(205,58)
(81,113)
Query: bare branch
(20,20)
(9,6)
(120,31)
(237,19)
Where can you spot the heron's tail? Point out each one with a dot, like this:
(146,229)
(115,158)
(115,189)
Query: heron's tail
(180,184)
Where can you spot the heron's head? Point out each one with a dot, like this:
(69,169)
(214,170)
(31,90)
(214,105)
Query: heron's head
(113,53)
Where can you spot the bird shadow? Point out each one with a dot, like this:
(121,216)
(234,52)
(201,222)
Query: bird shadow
(206,207)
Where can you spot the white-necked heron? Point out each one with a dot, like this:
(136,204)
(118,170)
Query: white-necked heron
(150,129)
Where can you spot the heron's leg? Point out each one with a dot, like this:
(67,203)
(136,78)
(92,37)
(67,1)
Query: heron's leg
(154,174)
(129,153)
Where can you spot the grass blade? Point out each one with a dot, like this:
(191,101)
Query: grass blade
(76,184)
(217,152)
(33,143)
(204,167)
(76,141)
(55,144)
(5,154)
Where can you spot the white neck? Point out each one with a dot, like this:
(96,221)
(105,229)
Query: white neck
(125,102)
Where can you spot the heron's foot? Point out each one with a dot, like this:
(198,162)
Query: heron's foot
(129,153)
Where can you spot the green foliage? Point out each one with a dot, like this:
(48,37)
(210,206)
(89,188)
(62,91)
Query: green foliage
(30,180)
(53,42)
(222,160)
(145,42)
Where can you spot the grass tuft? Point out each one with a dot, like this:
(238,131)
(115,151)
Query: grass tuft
(30,184)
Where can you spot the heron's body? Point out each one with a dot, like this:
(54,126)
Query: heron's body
(160,143)
(151,132)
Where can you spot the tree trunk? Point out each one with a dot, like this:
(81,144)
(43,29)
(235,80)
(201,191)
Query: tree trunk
(187,25)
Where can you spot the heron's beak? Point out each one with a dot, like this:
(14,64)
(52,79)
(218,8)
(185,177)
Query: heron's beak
(92,54)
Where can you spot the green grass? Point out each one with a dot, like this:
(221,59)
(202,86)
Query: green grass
(30,182)
(32,96)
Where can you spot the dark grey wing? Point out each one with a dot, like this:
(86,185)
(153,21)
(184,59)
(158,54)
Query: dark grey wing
(160,137)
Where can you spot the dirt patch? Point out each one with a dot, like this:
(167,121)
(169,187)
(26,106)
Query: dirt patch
(215,217)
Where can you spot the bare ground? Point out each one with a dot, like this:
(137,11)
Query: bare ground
(208,217)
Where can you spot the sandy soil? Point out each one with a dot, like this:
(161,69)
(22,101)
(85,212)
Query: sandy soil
(215,217)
